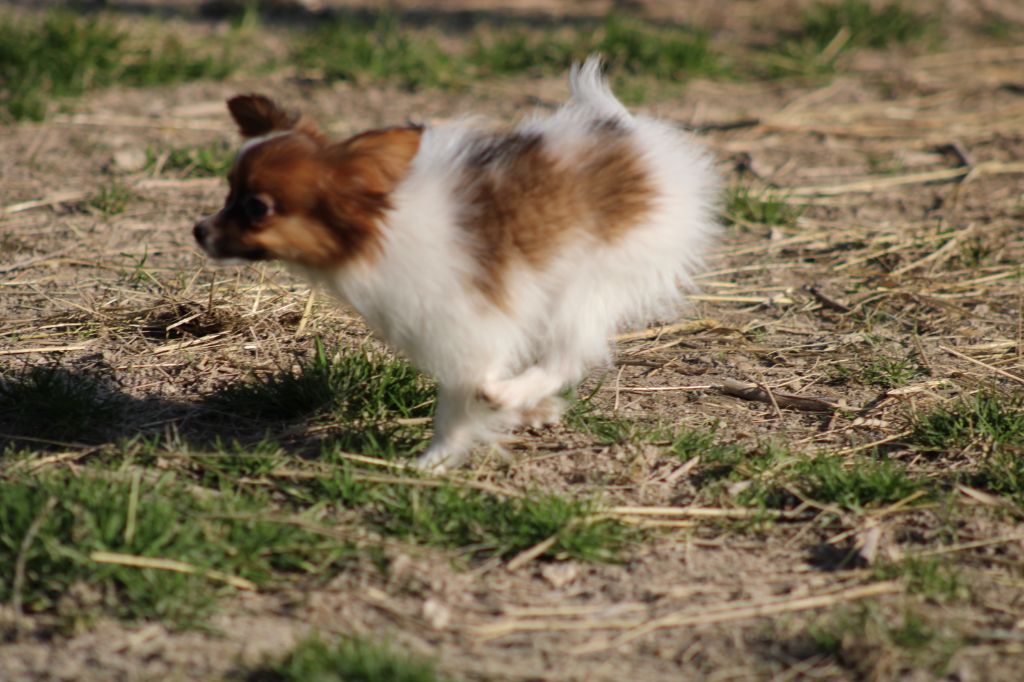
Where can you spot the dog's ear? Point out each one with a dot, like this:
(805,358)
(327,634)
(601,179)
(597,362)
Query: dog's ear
(377,160)
(258,115)
(364,171)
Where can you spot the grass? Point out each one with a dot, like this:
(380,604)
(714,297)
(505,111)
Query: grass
(349,659)
(852,483)
(830,29)
(199,161)
(53,523)
(237,511)
(890,372)
(930,577)
(770,476)
(1001,473)
(629,45)
(583,416)
(746,205)
(974,253)
(365,47)
(868,24)
(479,523)
(986,418)
(61,55)
(112,199)
(875,644)
(227,466)
(366,391)
(375,47)
(47,400)
(766,476)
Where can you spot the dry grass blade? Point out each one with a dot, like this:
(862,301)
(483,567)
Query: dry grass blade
(55,198)
(1000,372)
(976,56)
(689,327)
(504,628)
(964,546)
(46,349)
(657,389)
(736,612)
(701,512)
(940,254)
(170,565)
(874,443)
(26,542)
(880,184)
(528,555)
(33,465)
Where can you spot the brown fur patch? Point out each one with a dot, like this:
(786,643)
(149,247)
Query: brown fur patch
(327,201)
(259,115)
(524,204)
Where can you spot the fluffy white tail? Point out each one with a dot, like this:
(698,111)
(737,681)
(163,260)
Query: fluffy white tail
(590,89)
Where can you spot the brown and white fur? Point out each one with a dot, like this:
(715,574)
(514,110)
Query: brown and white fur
(499,262)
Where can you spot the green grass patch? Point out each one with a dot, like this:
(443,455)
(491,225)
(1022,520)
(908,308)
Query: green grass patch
(732,463)
(930,577)
(868,640)
(767,475)
(830,29)
(480,523)
(199,161)
(890,372)
(47,401)
(52,525)
(231,467)
(974,253)
(61,55)
(349,659)
(854,483)
(990,427)
(372,47)
(112,199)
(1001,473)
(1001,29)
(746,205)
(984,419)
(607,429)
(365,391)
(689,443)
(770,476)
(367,47)
(869,24)
(629,44)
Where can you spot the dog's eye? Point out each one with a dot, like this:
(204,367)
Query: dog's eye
(256,209)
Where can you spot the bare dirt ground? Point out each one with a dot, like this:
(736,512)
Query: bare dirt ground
(910,247)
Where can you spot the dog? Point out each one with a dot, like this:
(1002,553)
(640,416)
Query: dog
(499,261)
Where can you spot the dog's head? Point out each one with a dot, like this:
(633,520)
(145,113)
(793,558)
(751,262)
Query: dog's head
(296,196)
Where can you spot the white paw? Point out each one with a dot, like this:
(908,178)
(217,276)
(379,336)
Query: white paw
(545,413)
(439,460)
(520,393)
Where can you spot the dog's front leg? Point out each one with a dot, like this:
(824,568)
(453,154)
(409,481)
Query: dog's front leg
(456,428)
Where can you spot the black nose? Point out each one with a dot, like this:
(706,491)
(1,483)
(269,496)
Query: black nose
(200,231)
